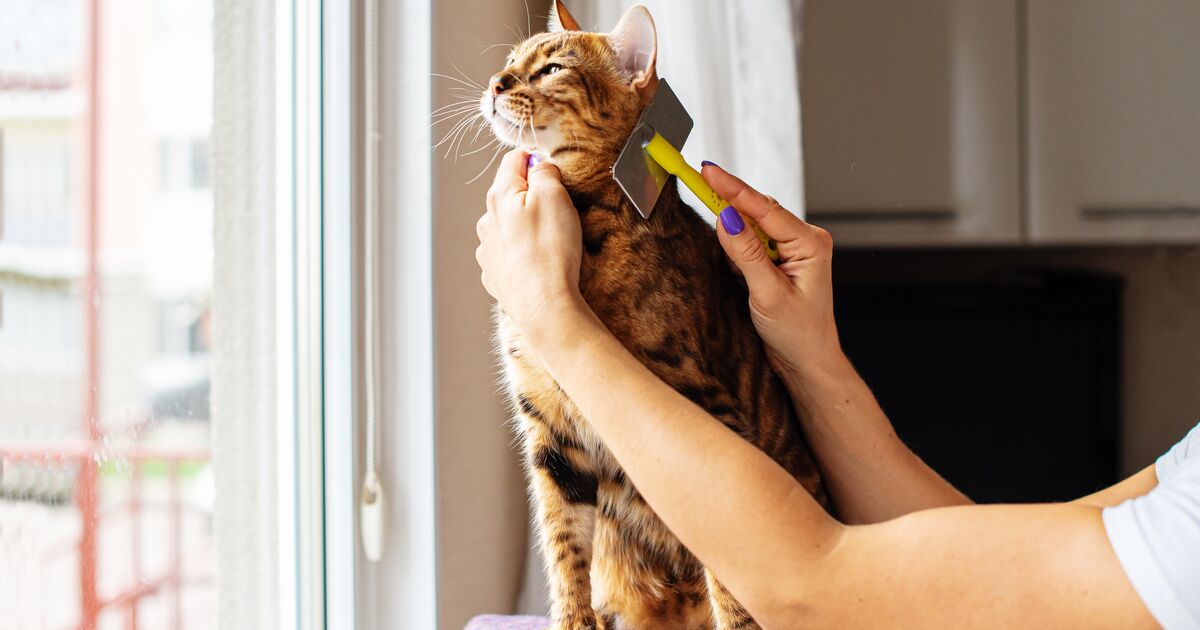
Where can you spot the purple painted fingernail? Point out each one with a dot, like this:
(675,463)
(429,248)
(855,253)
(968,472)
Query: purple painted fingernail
(707,163)
(732,221)
(533,160)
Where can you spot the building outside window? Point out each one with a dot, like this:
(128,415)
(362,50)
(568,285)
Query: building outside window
(106,501)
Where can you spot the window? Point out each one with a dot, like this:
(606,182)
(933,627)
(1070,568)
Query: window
(106,481)
(178,276)
(183,165)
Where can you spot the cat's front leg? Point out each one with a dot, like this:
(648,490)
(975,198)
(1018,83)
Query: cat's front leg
(564,491)
(727,611)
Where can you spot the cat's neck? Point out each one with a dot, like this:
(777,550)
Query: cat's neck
(598,190)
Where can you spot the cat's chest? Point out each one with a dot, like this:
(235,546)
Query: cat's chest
(637,274)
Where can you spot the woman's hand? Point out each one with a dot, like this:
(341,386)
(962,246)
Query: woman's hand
(530,242)
(792,303)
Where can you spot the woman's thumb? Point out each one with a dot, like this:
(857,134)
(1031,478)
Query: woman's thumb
(745,250)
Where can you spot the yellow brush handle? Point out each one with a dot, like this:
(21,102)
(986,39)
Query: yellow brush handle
(672,162)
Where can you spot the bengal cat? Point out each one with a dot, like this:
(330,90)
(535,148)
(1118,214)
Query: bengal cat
(665,289)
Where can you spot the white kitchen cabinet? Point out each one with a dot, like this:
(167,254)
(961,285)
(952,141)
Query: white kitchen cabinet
(911,121)
(1113,121)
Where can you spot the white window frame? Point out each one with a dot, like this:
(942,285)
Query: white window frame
(324,580)
(340,179)
(300,504)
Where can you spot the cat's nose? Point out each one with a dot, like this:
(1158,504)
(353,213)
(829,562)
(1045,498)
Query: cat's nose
(500,83)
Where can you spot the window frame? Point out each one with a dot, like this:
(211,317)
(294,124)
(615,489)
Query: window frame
(324,579)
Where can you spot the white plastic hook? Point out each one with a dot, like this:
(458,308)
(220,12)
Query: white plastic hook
(371,516)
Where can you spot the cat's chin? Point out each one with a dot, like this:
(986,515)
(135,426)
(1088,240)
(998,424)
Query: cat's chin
(584,170)
(575,167)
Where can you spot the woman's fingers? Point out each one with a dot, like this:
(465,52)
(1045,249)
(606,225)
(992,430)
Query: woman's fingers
(510,178)
(774,219)
(545,182)
(748,254)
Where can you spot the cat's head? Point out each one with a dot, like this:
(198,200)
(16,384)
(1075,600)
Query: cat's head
(573,97)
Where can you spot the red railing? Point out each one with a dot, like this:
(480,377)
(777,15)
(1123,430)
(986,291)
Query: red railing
(87,457)
(86,453)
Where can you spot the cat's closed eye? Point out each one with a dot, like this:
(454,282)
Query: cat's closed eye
(548,70)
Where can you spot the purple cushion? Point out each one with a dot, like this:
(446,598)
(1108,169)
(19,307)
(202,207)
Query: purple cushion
(505,622)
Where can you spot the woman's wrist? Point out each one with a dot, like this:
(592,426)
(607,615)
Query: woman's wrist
(819,364)
(822,382)
(562,316)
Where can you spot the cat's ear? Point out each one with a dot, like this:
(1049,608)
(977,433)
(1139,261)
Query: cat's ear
(561,19)
(636,44)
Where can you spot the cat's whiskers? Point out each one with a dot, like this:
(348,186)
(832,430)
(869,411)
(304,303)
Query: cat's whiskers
(528,19)
(455,108)
(515,32)
(460,116)
(463,129)
(474,121)
(482,148)
(470,84)
(464,112)
(533,130)
(488,167)
(457,117)
(462,100)
(451,113)
(446,114)
(466,120)
(485,125)
(468,78)
(487,48)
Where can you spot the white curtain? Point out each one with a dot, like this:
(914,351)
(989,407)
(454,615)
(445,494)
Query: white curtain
(735,66)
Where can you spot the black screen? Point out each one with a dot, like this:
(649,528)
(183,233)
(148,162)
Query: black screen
(1007,388)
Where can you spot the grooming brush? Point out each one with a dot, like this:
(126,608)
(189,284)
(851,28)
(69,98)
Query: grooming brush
(651,155)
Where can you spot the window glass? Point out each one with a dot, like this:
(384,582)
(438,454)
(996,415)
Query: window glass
(106,491)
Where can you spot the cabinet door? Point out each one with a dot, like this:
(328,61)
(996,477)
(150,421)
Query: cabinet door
(911,121)
(1114,121)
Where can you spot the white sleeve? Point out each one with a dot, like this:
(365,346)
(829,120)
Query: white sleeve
(1156,538)
(1187,449)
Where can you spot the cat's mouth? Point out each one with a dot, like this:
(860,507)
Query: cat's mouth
(514,124)
(508,127)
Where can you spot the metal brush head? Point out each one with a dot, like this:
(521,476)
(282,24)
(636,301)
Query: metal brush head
(639,176)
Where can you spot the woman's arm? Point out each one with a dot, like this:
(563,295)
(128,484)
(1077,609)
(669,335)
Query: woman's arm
(793,566)
(748,520)
(722,496)
(872,475)
(1136,485)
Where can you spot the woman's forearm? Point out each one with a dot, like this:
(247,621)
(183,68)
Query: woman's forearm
(722,496)
(871,473)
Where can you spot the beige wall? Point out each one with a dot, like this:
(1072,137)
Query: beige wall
(481,502)
(1161,321)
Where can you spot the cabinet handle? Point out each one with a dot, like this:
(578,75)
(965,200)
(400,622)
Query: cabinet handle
(1132,213)
(864,215)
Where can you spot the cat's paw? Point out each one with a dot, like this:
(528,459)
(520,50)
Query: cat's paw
(580,621)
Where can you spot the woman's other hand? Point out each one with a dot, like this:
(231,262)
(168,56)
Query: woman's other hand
(530,241)
(791,303)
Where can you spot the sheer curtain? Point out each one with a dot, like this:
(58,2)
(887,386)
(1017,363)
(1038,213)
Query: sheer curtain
(736,69)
